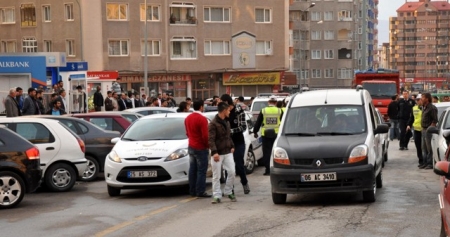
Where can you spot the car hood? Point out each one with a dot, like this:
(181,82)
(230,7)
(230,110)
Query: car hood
(163,148)
(299,147)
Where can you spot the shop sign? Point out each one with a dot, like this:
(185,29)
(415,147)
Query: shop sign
(74,66)
(169,78)
(104,74)
(253,78)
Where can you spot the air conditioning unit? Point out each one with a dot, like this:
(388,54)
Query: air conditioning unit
(268,51)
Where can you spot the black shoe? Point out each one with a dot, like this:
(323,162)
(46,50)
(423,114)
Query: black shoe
(204,195)
(420,164)
(246,189)
(402,148)
(406,148)
(428,167)
(266,174)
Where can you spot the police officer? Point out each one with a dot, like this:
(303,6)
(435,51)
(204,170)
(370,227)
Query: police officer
(416,122)
(268,118)
(405,106)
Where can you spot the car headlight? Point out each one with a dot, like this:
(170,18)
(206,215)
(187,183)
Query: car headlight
(358,154)
(180,153)
(113,156)
(280,156)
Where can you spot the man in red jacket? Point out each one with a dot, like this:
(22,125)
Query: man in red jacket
(197,132)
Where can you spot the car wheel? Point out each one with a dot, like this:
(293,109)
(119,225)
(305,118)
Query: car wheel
(369,195)
(60,177)
(379,180)
(279,198)
(442,234)
(250,162)
(113,192)
(12,189)
(92,169)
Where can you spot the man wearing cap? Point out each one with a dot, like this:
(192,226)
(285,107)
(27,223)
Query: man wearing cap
(268,118)
(415,122)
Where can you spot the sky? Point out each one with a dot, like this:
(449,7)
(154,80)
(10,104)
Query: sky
(386,9)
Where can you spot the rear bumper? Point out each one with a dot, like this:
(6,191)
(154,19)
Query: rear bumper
(33,179)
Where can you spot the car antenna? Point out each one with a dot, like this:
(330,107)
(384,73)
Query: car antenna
(326,97)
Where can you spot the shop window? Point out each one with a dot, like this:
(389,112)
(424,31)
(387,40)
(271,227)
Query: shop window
(27,15)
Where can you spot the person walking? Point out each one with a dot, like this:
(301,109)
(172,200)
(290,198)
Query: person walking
(268,118)
(429,119)
(115,101)
(393,118)
(30,106)
(222,148)
(405,106)
(20,99)
(196,126)
(11,104)
(108,102)
(39,101)
(98,99)
(416,120)
(238,125)
(62,98)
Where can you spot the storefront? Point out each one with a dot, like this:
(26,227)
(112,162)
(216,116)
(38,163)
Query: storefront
(251,83)
(431,84)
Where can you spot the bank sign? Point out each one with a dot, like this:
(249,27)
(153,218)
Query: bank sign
(251,78)
(34,65)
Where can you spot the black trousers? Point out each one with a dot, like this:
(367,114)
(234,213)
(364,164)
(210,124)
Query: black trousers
(98,108)
(418,143)
(267,145)
(404,137)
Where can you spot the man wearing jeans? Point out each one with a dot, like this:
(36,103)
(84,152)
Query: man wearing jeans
(393,118)
(429,119)
(197,132)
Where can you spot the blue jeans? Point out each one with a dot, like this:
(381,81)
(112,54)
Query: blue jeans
(198,164)
(238,155)
(393,131)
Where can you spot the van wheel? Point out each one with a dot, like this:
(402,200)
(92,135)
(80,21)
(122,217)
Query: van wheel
(379,180)
(279,198)
(92,169)
(369,195)
(250,162)
(60,177)
(12,189)
(113,192)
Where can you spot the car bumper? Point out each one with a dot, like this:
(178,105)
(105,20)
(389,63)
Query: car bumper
(169,173)
(34,180)
(349,179)
(80,165)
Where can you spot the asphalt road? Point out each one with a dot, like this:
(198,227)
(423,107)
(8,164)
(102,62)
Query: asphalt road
(407,205)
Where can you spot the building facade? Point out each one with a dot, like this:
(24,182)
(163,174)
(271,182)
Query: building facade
(419,37)
(332,39)
(195,48)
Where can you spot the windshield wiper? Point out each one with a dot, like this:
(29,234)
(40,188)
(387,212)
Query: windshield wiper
(335,133)
(128,139)
(301,134)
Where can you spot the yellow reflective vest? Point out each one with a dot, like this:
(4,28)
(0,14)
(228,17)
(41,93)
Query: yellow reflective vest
(271,118)
(417,118)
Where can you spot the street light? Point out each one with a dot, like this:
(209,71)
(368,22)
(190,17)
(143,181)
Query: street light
(145,50)
(300,50)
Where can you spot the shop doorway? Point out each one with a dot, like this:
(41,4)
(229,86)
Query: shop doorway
(203,89)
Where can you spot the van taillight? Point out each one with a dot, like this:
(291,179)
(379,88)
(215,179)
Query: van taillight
(33,153)
(82,146)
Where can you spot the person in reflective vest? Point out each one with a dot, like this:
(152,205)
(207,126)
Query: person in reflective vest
(416,121)
(268,118)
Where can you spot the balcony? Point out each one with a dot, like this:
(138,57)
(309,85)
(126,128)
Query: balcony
(182,14)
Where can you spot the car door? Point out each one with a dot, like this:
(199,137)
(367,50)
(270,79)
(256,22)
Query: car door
(444,197)
(256,142)
(377,145)
(438,143)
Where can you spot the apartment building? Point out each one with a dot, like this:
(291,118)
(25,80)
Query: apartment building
(419,37)
(332,39)
(196,48)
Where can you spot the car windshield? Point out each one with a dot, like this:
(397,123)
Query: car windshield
(130,117)
(156,129)
(259,105)
(381,90)
(325,120)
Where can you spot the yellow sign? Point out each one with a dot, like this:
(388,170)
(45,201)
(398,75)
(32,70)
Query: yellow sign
(267,78)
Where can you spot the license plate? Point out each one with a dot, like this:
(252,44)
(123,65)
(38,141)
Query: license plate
(143,174)
(318,177)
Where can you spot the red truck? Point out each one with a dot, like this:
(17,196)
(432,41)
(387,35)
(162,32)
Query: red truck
(382,85)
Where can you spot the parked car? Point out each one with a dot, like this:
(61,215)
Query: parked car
(97,141)
(384,137)
(316,152)
(111,121)
(152,110)
(253,147)
(152,152)
(20,170)
(438,143)
(61,150)
(262,101)
(442,168)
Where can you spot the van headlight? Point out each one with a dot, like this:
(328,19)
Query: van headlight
(113,156)
(180,153)
(359,153)
(280,156)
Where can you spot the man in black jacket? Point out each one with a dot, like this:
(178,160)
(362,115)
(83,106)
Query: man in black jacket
(405,106)
(393,118)
(98,99)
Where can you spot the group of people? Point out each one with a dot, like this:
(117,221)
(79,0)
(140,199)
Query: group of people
(411,117)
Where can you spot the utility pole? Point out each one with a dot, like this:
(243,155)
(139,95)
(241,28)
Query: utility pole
(364,34)
(145,50)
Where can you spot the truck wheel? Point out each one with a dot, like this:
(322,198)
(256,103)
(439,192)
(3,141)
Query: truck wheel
(279,198)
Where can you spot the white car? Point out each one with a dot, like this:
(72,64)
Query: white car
(438,142)
(384,137)
(62,151)
(152,110)
(262,101)
(152,152)
(253,147)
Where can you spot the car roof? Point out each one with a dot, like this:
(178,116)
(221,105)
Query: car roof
(28,119)
(149,108)
(166,115)
(442,104)
(330,97)
(103,114)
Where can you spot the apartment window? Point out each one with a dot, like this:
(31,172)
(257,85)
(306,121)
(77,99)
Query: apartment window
(70,48)
(29,45)
(316,35)
(116,12)
(328,16)
(328,54)
(27,15)
(183,48)
(217,47)
(345,73)
(152,13)
(118,47)
(316,54)
(68,12)
(264,47)
(315,16)
(328,73)
(47,46)
(345,15)
(328,35)
(7,15)
(316,73)
(153,47)
(296,34)
(216,14)
(182,13)
(46,14)
(304,74)
(8,46)
(263,15)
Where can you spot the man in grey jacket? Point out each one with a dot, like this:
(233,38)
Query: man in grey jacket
(11,105)
(30,106)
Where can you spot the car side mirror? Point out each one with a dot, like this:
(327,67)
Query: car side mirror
(381,128)
(115,140)
(433,130)
(442,168)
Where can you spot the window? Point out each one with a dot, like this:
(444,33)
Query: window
(68,14)
(316,73)
(71,125)
(263,47)
(328,35)
(345,15)
(118,47)
(217,47)
(296,34)
(153,12)
(328,16)
(216,14)
(83,128)
(46,16)
(29,45)
(36,133)
(116,12)
(70,48)
(8,46)
(153,47)
(345,73)
(316,54)
(263,15)
(183,48)
(328,73)
(328,54)
(27,15)
(315,16)
(7,15)
(316,35)
(47,46)
(182,13)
